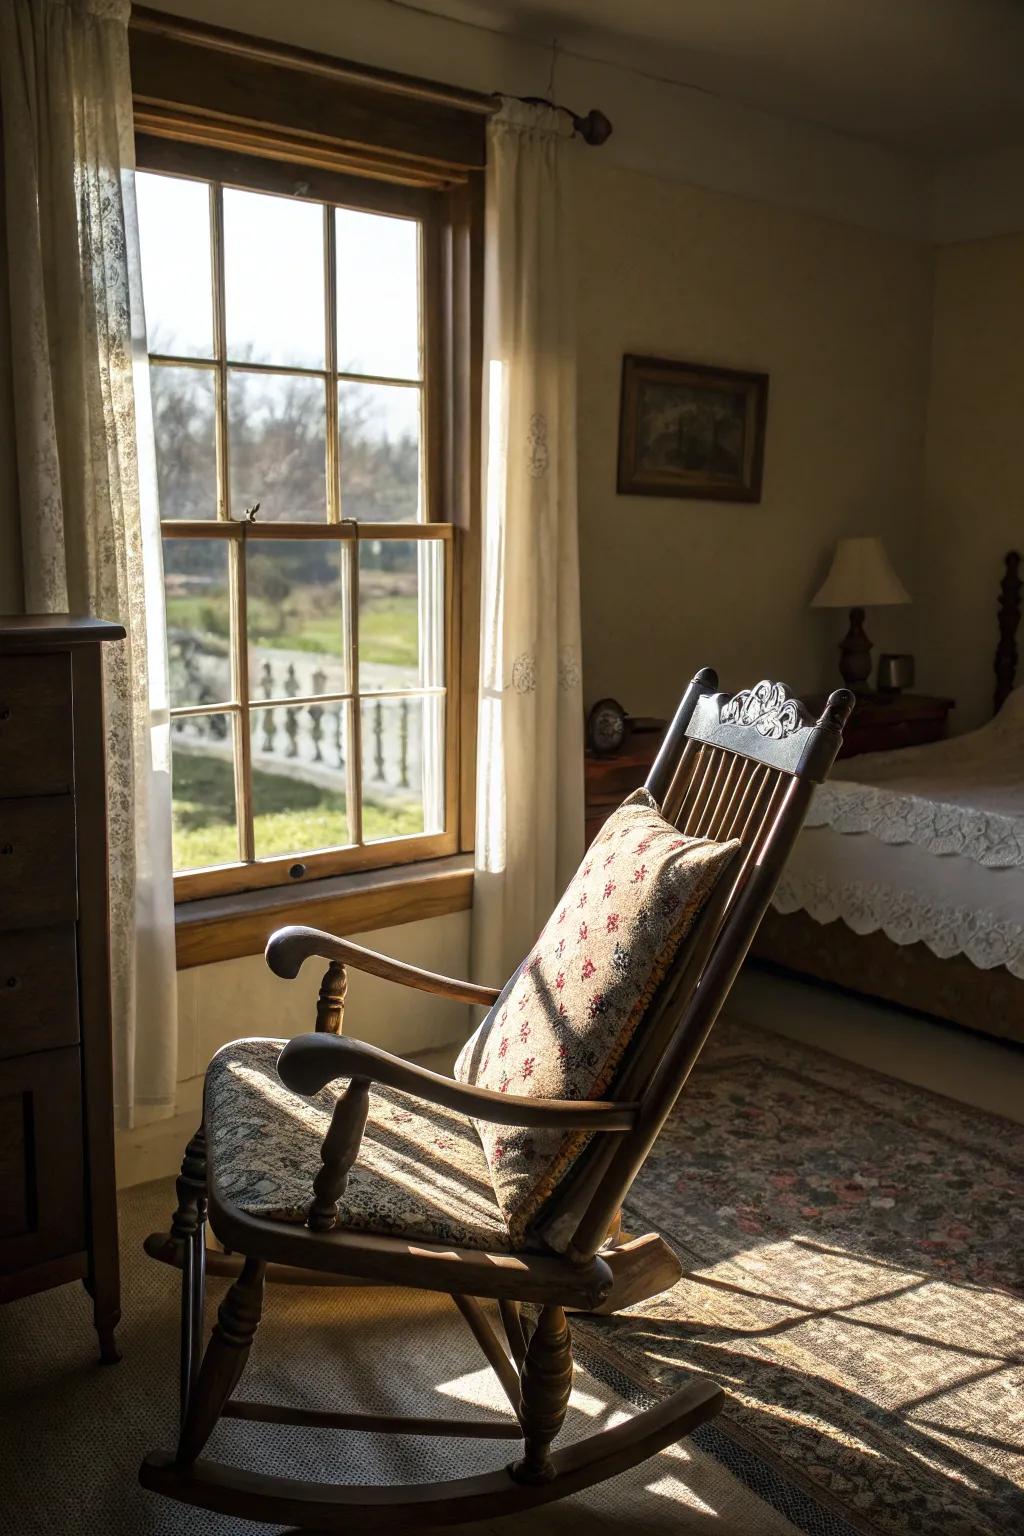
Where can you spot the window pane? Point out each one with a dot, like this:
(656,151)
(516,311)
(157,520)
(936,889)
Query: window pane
(378,294)
(177,280)
(379,430)
(204,820)
(273,279)
(403,767)
(184,424)
(277,448)
(299,763)
(198,607)
(401,614)
(297,603)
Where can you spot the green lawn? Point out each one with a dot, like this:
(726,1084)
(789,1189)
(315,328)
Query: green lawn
(388,625)
(388,630)
(290,816)
(204,615)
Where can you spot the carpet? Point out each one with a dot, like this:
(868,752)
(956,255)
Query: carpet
(852,1248)
(72,1432)
(853,1251)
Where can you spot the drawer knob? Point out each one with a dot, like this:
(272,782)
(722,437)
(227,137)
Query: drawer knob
(5,711)
(12,982)
(7,848)
(297,871)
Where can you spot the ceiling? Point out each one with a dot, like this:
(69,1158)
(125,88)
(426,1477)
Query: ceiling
(932,77)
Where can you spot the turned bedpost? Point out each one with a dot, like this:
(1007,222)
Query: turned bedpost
(330,1005)
(339,1151)
(1009,620)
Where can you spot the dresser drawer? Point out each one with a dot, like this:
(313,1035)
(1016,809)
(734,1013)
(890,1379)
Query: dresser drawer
(38,990)
(36,754)
(38,864)
(892,735)
(42,1195)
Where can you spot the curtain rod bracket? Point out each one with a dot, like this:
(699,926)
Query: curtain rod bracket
(595,128)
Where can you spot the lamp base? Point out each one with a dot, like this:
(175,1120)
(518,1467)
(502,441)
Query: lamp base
(855,654)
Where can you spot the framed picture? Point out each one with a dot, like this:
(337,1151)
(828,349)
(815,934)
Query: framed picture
(689,430)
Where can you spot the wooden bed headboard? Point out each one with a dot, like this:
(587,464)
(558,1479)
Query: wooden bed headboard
(1009,619)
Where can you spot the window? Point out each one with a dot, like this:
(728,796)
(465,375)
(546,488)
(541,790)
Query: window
(308,575)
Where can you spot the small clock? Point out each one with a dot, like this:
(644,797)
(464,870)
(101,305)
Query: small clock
(606,727)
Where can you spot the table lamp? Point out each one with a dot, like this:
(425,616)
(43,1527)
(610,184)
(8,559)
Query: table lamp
(860,577)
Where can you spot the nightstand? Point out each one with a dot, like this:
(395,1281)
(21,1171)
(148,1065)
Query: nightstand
(883,722)
(608,780)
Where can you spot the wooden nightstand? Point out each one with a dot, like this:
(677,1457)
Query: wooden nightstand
(883,722)
(608,780)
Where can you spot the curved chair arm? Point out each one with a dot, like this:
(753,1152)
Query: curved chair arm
(309,1062)
(289,947)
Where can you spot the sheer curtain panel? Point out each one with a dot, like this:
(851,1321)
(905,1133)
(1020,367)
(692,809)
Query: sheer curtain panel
(529,835)
(86,531)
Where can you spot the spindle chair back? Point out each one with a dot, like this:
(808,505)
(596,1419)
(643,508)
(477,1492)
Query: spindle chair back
(742,767)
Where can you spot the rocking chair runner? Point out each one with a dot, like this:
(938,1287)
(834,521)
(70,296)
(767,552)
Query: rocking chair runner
(740,768)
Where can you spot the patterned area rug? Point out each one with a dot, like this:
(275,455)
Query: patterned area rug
(854,1256)
(72,1431)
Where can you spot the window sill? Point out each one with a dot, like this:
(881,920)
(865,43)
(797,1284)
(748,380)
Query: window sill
(228,927)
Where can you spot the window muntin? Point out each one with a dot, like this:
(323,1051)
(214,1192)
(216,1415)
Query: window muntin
(308,648)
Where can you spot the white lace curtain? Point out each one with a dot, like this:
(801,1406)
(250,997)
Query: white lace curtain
(529,835)
(87,528)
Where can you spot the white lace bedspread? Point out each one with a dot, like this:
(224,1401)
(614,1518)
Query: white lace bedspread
(953,905)
(940,855)
(964,796)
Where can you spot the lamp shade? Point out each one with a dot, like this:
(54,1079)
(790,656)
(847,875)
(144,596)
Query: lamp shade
(860,577)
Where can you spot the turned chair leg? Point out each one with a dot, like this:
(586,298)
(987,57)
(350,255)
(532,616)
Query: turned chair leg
(330,1005)
(188,1225)
(237,1320)
(545,1383)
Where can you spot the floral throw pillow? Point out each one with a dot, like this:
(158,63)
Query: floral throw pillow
(561,1027)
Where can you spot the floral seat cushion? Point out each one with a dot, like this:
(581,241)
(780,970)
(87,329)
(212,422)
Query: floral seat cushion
(421,1171)
(562,1025)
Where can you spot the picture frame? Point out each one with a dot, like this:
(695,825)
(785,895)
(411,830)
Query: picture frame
(691,430)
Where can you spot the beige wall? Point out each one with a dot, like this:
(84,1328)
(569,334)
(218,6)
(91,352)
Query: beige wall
(235,998)
(671,130)
(839,317)
(226,1001)
(975,465)
(976,197)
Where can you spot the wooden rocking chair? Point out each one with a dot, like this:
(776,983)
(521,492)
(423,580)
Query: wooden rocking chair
(741,767)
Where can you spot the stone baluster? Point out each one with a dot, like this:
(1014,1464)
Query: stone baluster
(403,743)
(316,714)
(291,721)
(339,734)
(269,721)
(378,742)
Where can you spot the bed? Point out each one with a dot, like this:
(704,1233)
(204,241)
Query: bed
(907,882)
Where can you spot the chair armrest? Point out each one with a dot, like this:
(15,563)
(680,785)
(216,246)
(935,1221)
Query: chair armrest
(309,1062)
(289,947)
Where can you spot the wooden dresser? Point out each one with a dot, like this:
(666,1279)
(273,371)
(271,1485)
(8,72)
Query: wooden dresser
(884,722)
(58,1217)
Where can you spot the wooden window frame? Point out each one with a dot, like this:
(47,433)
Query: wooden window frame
(450,217)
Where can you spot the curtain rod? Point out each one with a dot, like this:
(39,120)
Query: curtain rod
(593,128)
